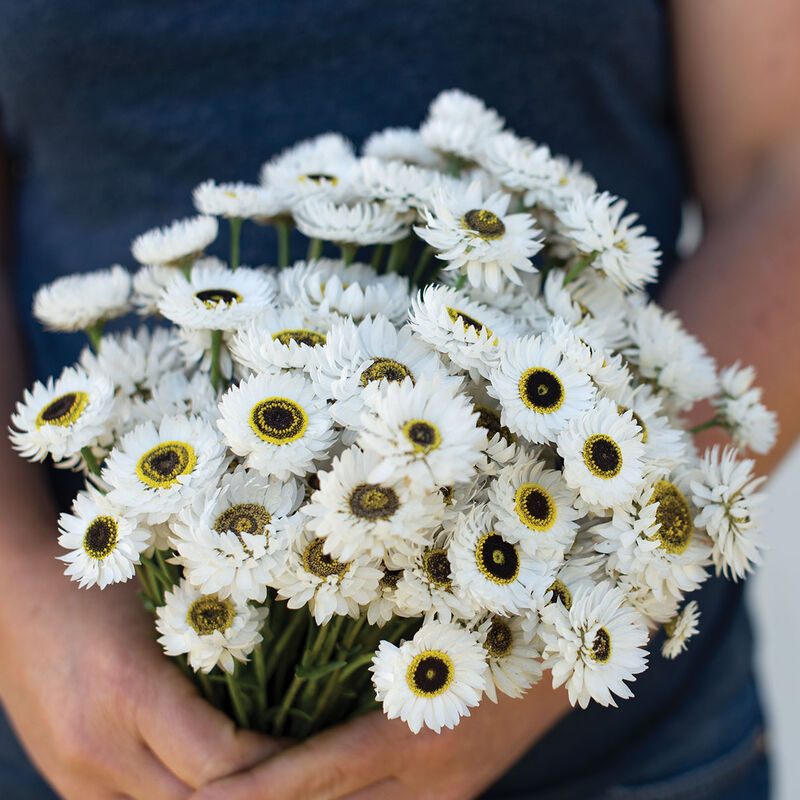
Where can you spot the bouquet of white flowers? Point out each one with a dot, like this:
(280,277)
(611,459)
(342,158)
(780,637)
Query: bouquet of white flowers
(407,483)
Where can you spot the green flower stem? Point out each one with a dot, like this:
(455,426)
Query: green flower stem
(95,334)
(149,590)
(288,699)
(236,236)
(422,264)
(237,701)
(167,570)
(321,656)
(207,688)
(314,249)
(579,266)
(397,255)
(703,426)
(355,664)
(462,279)
(297,619)
(377,257)
(283,243)
(348,253)
(90,460)
(261,682)
(216,346)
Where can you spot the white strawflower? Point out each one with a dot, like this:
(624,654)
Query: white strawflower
(539,388)
(402,144)
(739,405)
(357,355)
(63,416)
(433,679)
(402,186)
(320,167)
(603,452)
(214,297)
(76,302)
(175,395)
(154,471)
(277,424)
(233,541)
(535,507)
(666,354)
(235,200)
(328,586)
(680,629)
(595,646)
(423,431)
(183,240)
(149,283)
(328,286)
(386,519)
(210,631)
(352,224)
(727,495)
(514,661)
(103,545)
(383,608)
(495,573)
(476,234)
(617,247)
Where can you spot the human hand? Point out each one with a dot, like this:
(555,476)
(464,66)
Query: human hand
(374,758)
(102,712)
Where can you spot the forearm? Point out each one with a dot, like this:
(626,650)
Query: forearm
(739,292)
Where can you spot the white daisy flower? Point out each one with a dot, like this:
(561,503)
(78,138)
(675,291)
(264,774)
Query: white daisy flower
(134,361)
(514,661)
(423,431)
(727,495)
(577,571)
(595,646)
(458,124)
(277,424)
(62,417)
(680,629)
(667,355)
(328,286)
(355,513)
(214,297)
(236,200)
(103,546)
(465,331)
(357,355)
(603,455)
(175,395)
(210,631)
(328,586)
(433,679)
(233,542)
(281,339)
(539,389)
(402,144)
(495,573)
(535,507)
(383,608)
(426,586)
(154,471)
(619,248)
(403,186)
(77,302)
(739,405)
(350,224)
(149,283)
(197,346)
(477,235)
(320,167)
(174,244)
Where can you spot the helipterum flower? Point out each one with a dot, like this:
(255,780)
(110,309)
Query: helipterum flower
(475,234)
(62,417)
(680,629)
(540,390)
(78,302)
(726,492)
(383,518)
(750,423)
(402,186)
(603,455)
(277,423)
(235,200)
(401,144)
(425,432)
(174,244)
(595,646)
(149,283)
(155,470)
(433,679)
(210,631)
(103,545)
(214,297)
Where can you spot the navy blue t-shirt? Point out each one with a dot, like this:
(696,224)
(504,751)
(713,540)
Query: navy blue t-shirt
(115,111)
